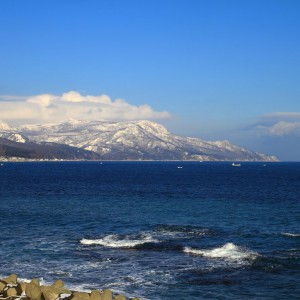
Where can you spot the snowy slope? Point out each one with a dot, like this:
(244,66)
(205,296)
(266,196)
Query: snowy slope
(136,140)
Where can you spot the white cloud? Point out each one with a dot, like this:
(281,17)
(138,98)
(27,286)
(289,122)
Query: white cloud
(282,128)
(48,108)
(279,124)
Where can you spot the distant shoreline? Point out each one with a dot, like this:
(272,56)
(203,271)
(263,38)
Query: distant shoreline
(3,160)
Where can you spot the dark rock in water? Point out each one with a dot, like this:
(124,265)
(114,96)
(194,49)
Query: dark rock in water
(95,295)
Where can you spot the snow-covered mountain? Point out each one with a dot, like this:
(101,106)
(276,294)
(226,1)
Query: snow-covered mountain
(132,140)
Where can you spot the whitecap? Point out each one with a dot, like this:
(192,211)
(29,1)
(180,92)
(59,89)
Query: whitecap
(117,241)
(229,252)
(291,234)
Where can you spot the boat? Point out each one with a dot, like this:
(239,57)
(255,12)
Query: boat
(236,165)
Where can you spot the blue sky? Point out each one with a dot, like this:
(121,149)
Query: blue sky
(220,69)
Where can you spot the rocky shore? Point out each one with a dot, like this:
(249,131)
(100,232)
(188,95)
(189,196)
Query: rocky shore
(12,289)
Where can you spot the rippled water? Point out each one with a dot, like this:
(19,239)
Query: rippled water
(153,230)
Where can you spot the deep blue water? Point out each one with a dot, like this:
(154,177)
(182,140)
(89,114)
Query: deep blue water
(153,230)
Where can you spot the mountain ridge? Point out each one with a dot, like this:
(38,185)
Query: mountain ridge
(43,151)
(131,140)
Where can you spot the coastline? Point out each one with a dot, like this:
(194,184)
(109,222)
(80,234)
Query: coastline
(21,159)
(13,289)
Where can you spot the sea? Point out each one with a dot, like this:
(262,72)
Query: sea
(154,230)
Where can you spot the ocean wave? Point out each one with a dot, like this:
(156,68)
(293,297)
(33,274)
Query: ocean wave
(229,252)
(60,273)
(173,230)
(121,241)
(291,234)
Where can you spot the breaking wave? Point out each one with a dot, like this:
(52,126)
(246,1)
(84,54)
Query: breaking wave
(291,234)
(229,252)
(121,241)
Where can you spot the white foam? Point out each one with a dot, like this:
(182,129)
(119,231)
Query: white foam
(61,273)
(291,234)
(80,287)
(129,281)
(228,252)
(174,231)
(63,296)
(115,241)
(42,281)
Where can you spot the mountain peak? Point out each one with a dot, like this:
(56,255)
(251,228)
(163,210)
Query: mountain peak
(152,127)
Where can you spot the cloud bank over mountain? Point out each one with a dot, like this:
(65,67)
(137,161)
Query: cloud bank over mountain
(49,108)
(278,124)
